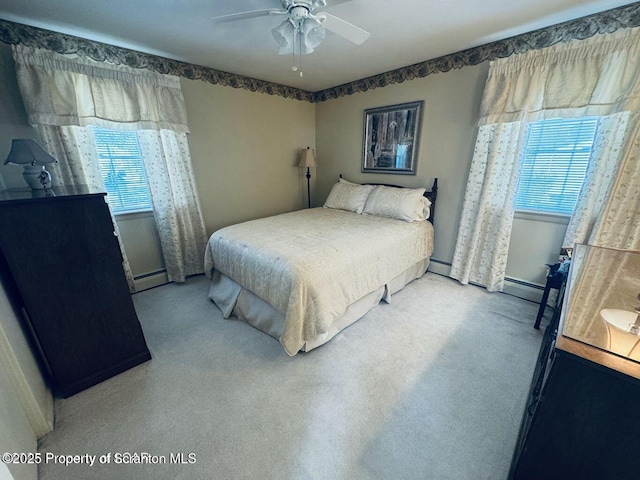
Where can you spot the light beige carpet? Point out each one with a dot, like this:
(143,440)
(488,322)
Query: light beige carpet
(431,386)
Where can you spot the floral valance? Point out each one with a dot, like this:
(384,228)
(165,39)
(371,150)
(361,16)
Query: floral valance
(66,90)
(597,76)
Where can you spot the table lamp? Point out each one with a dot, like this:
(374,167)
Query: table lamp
(27,152)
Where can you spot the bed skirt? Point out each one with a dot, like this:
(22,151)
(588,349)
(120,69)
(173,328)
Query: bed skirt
(234,300)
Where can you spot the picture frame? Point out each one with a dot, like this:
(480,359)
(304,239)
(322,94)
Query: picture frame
(391,137)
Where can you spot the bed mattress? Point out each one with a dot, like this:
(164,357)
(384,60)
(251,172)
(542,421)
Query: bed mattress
(313,266)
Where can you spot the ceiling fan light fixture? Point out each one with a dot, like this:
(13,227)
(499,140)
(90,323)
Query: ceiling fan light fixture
(302,39)
(284,35)
(312,34)
(304,29)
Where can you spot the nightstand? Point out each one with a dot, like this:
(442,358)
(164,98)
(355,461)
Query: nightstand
(556,279)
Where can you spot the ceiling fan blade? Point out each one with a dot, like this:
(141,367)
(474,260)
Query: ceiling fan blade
(244,15)
(343,28)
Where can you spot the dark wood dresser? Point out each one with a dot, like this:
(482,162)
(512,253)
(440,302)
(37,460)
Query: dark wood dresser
(582,418)
(62,256)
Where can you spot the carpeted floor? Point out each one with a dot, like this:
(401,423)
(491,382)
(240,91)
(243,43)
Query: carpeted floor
(431,386)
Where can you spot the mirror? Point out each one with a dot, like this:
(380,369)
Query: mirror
(602,306)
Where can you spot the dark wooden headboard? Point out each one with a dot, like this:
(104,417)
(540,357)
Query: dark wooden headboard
(431,195)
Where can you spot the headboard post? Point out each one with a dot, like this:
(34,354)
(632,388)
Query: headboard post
(432,196)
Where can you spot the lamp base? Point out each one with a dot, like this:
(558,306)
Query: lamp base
(308,188)
(37,177)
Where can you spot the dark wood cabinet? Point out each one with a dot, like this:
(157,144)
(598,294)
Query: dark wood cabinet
(582,418)
(64,260)
(586,425)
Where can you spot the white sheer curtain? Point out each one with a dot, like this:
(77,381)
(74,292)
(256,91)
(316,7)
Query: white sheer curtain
(175,201)
(488,206)
(63,94)
(619,224)
(611,136)
(599,76)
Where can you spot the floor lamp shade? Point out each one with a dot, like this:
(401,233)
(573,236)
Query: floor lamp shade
(308,159)
(28,153)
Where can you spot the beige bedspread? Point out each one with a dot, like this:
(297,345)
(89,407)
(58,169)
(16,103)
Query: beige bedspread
(311,264)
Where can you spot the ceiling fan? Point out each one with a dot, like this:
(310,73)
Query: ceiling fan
(304,27)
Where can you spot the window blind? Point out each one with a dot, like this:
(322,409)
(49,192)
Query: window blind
(122,170)
(555,162)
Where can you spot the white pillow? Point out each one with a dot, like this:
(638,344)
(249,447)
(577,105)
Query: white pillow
(407,204)
(348,196)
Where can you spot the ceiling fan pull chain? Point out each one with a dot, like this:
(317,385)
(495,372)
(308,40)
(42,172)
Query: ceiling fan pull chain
(293,55)
(297,38)
(300,47)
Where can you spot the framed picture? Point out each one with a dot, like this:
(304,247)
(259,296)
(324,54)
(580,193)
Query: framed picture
(390,138)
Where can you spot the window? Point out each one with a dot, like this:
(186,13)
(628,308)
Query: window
(555,162)
(122,170)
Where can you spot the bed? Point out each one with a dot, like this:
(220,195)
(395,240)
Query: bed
(304,276)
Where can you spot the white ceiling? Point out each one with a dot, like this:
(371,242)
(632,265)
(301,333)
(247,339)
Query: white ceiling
(403,32)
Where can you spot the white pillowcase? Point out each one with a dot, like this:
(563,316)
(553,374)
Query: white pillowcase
(407,204)
(348,196)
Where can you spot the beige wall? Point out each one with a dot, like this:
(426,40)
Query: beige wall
(451,105)
(244,147)
(536,240)
(16,432)
(141,242)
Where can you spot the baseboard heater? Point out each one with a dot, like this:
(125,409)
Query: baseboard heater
(513,286)
(524,283)
(150,279)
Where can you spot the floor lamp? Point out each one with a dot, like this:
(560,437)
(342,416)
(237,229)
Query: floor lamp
(308,159)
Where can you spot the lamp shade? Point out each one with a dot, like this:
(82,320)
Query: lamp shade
(307,158)
(26,151)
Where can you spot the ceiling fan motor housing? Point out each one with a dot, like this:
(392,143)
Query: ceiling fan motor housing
(309,4)
(301,9)
(298,13)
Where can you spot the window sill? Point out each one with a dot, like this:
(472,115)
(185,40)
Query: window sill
(543,217)
(133,214)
